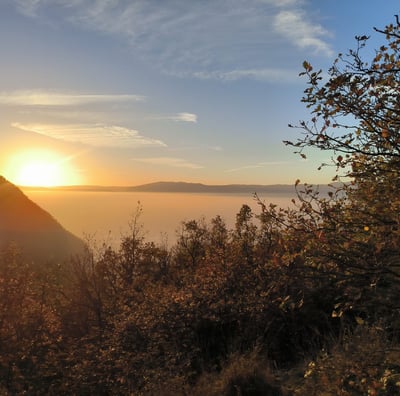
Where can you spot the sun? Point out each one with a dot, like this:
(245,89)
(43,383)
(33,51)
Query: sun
(39,173)
(42,168)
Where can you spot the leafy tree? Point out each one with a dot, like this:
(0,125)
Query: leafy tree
(131,247)
(245,233)
(191,241)
(29,329)
(356,118)
(218,247)
(356,112)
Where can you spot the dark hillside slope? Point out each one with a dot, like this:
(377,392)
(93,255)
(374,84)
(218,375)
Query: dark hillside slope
(34,230)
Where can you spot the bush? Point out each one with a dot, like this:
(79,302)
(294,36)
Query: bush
(244,375)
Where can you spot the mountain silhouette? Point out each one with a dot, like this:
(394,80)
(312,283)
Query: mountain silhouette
(180,187)
(39,236)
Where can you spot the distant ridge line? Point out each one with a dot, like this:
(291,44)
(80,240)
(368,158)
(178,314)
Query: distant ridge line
(175,187)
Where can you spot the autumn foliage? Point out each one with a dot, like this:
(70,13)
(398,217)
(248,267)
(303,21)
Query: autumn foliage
(290,301)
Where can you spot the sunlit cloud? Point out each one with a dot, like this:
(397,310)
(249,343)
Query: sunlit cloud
(44,98)
(205,39)
(96,135)
(169,161)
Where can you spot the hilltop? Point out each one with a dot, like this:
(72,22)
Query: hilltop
(33,229)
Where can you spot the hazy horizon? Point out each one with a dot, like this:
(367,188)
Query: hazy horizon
(149,183)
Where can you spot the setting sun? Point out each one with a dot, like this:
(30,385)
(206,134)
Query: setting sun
(42,168)
(39,173)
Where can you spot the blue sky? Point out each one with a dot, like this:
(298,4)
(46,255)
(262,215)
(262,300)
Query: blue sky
(128,92)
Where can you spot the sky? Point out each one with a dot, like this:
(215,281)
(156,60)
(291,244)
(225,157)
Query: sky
(126,92)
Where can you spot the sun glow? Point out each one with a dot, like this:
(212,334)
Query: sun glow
(42,168)
(39,173)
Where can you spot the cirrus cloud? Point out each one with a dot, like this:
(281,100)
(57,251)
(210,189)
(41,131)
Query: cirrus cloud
(184,117)
(293,25)
(97,135)
(255,166)
(47,98)
(218,38)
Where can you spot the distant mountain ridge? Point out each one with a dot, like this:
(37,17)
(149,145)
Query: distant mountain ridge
(182,187)
(31,228)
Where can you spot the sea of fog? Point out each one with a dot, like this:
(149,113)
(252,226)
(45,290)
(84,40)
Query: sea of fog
(105,216)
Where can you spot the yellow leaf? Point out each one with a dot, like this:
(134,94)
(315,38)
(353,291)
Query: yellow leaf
(359,320)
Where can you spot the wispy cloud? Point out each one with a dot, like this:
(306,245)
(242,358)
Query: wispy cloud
(215,38)
(45,98)
(258,165)
(216,148)
(169,161)
(28,7)
(285,3)
(294,25)
(270,75)
(97,135)
(178,117)
(184,117)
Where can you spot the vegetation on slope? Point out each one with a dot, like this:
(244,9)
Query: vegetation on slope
(300,301)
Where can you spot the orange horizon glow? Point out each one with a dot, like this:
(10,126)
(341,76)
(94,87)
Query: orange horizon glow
(41,168)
